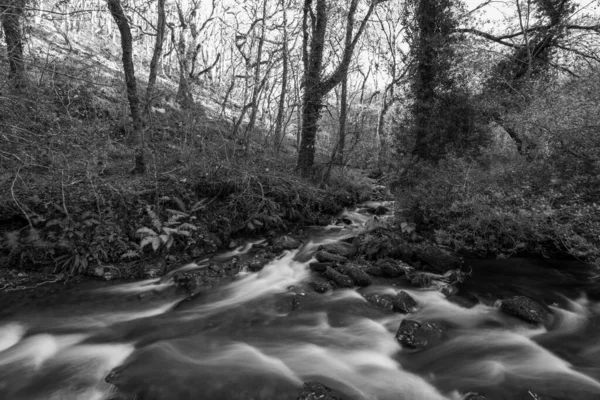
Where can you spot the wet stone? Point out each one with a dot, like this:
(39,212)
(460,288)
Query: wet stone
(321,286)
(375,271)
(325,256)
(340,280)
(421,281)
(473,396)
(438,260)
(418,335)
(358,276)
(384,301)
(524,308)
(404,303)
(314,390)
(285,243)
(340,248)
(319,266)
(390,269)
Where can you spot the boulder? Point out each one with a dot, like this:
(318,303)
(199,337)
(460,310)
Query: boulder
(340,248)
(405,252)
(325,256)
(314,390)
(341,280)
(524,308)
(418,335)
(375,271)
(284,242)
(473,396)
(438,260)
(154,269)
(404,303)
(421,280)
(319,266)
(321,286)
(385,301)
(380,210)
(358,276)
(189,281)
(390,268)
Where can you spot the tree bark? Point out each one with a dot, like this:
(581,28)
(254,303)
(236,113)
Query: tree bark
(184,94)
(134,102)
(278,137)
(158,49)
(314,86)
(343,118)
(11,12)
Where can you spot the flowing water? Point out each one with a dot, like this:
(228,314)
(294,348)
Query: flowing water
(244,340)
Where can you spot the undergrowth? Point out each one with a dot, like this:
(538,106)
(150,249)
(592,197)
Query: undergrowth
(502,205)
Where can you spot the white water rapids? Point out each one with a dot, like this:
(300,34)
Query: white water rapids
(245,341)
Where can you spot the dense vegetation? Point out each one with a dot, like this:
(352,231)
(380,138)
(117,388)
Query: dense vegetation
(131,129)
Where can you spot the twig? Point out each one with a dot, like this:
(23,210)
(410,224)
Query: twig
(12,192)
(62,191)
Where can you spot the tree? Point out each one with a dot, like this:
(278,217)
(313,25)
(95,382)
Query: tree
(11,13)
(314,27)
(158,49)
(431,76)
(122,22)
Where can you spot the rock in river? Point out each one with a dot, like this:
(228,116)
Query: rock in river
(325,256)
(341,280)
(340,248)
(314,390)
(524,308)
(404,303)
(418,335)
(285,243)
(438,260)
(357,274)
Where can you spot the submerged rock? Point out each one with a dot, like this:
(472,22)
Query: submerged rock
(325,256)
(314,390)
(418,335)
(340,279)
(404,303)
(340,248)
(524,308)
(438,260)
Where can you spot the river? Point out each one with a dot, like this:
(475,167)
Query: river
(245,340)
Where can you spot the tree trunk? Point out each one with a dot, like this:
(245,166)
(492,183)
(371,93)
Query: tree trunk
(134,102)
(11,12)
(383,153)
(278,137)
(257,87)
(314,87)
(184,94)
(341,148)
(158,49)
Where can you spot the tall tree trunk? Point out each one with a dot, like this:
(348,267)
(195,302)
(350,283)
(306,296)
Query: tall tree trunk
(341,146)
(257,87)
(11,12)
(158,49)
(383,153)
(314,87)
(134,102)
(278,137)
(184,94)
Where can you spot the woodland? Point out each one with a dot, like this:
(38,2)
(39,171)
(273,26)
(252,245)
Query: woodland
(135,130)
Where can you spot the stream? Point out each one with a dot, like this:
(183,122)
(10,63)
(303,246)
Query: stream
(245,339)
